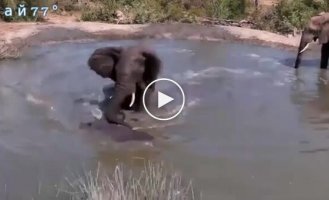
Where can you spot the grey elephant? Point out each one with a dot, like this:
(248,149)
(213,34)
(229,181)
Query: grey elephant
(317,29)
(132,69)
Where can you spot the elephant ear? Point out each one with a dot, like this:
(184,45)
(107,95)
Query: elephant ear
(113,52)
(153,64)
(103,61)
(324,34)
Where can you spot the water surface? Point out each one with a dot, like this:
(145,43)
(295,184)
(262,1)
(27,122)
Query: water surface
(252,128)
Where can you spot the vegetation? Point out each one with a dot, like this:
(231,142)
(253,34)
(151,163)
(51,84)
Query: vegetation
(283,17)
(289,14)
(151,11)
(154,182)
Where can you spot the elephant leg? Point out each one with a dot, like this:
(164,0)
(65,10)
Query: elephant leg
(114,109)
(148,95)
(138,107)
(324,56)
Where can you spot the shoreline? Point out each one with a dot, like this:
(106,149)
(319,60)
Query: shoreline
(15,34)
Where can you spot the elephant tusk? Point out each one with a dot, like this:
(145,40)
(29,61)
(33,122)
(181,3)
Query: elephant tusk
(308,44)
(132,100)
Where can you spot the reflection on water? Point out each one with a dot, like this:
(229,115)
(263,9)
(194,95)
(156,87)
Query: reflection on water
(316,107)
(252,128)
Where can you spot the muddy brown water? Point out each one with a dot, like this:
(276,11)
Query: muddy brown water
(252,128)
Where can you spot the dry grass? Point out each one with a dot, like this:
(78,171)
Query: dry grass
(154,182)
(8,50)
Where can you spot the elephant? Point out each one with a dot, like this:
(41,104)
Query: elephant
(132,69)
(317,29)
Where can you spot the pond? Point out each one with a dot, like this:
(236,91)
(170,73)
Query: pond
(252,127)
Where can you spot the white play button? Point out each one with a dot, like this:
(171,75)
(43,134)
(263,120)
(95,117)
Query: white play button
(163,99)
(177,97)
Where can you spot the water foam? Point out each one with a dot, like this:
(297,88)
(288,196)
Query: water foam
(261,59)
(253,55)
(178,50)
(38,101)
(183,51)
(210,72)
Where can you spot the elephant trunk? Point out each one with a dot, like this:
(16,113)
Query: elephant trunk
(126,90)
(303,45)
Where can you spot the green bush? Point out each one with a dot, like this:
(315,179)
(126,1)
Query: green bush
(142,11)
(227,9)
(271,20)
(147,11)
(297,12)
(231,9)
(289,14)
(105,11)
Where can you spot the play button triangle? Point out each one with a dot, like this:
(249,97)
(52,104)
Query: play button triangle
(163,99)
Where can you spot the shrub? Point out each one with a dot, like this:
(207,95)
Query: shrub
(147,11)
(289,14)
(227,9)
(103,11)
(271,20)
(297,12)
(231,9)
(142,11)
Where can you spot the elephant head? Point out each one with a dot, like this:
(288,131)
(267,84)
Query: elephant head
(317,29)
(137,67)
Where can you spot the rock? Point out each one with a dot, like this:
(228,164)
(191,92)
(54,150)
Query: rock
(120,17)
(119,14)
(244,21)
(8,50)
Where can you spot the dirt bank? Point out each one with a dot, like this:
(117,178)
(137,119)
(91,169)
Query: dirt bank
(56,31)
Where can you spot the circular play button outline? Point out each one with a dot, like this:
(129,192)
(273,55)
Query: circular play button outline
(179,111)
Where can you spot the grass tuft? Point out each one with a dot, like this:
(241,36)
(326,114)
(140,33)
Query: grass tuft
(154,182)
